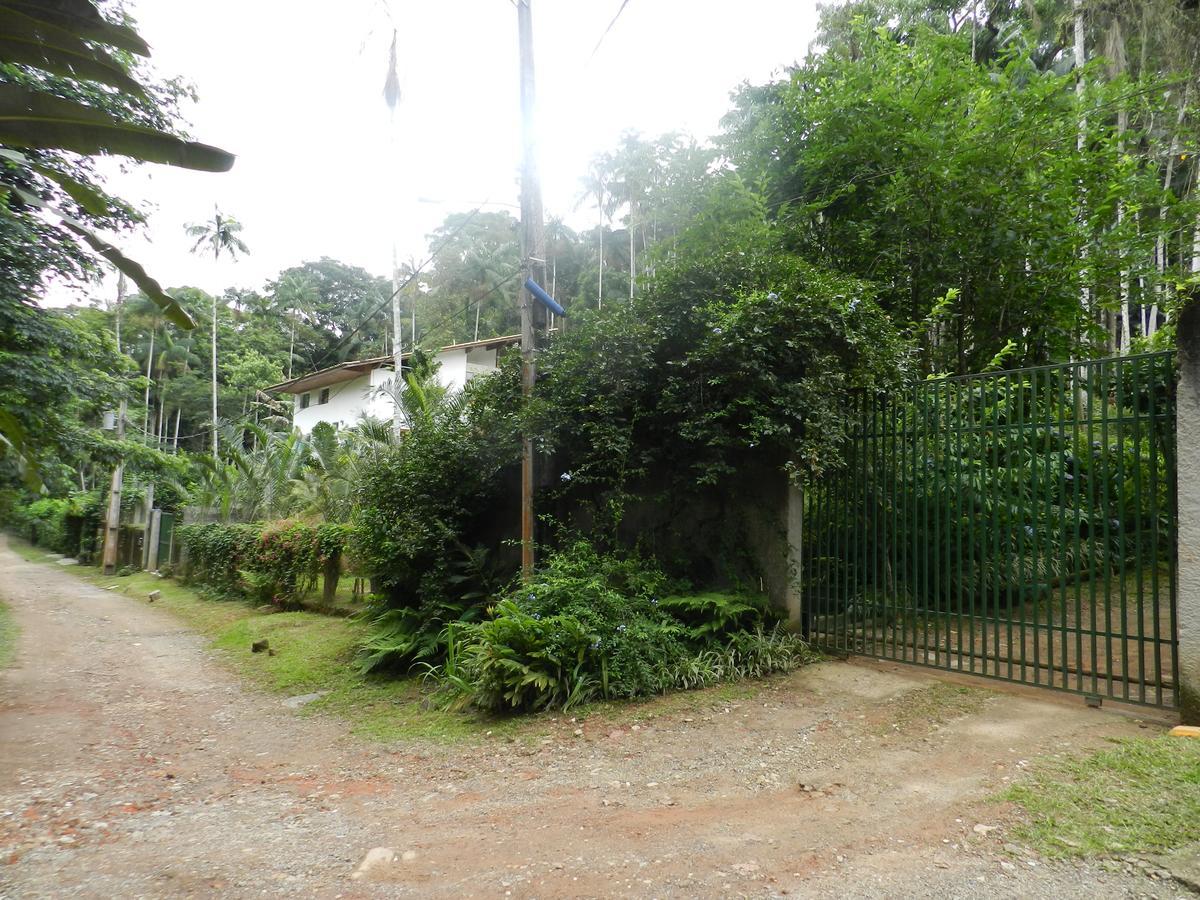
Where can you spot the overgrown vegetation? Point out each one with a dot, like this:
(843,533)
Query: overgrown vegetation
(279,563)
(592,627)
(916,198)
(8,636)
(1141,795)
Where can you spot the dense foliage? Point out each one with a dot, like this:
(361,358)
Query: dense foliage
(279,562)
(937,188)
(594,627)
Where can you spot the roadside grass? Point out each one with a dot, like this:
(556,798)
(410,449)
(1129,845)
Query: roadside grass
(315,653)
(8,636)
(1141,795)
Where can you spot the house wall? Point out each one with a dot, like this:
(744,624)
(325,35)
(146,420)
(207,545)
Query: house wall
(452,373)
(351,400)
(348,402)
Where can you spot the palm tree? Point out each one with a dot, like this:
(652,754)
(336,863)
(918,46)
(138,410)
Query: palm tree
(557,235)
(596,186)
(298,294)
(152,309)
(220,233)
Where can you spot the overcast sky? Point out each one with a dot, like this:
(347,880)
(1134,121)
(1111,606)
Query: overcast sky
(295,90)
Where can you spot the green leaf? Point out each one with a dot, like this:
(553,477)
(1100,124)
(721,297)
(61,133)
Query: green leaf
(138,275)
(25,40)
(81,18)
(87,197)
(32,119)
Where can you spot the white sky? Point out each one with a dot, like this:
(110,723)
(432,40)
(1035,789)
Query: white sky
(295,90)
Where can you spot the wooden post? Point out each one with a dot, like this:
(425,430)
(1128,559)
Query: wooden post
(112,522)
(533,262)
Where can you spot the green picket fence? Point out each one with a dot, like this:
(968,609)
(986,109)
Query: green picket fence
(1018,525)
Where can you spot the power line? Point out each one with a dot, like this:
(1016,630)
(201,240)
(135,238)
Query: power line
(595,50)
(470,303)
(417,271)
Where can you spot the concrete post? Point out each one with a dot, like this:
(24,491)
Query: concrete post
(1188,530)
(152,532)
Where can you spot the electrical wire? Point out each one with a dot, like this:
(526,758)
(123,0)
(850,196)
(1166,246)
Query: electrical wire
(596,49)
(409,280)
(470,303)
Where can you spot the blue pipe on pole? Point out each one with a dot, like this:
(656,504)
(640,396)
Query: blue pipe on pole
(543,298)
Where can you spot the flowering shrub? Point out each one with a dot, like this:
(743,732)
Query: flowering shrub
(280,562)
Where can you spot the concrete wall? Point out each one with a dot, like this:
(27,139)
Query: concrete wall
(1188,457)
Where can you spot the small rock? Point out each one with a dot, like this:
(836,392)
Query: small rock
(154,595)
(303,699)
(259,647)
(984,829)
(578,732)
(376,857)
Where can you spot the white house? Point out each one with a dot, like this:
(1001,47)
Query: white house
(343,394)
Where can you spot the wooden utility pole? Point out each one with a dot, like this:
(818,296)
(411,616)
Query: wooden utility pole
(533,262)
(112,523)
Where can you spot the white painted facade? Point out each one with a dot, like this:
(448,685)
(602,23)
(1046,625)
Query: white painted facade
(347,402)
(359,393)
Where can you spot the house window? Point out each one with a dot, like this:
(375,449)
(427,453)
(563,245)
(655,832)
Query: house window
(324,396)
(304,398)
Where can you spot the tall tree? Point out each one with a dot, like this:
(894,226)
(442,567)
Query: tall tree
(220,234)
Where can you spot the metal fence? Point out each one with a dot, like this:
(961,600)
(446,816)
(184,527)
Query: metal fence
(1018,525)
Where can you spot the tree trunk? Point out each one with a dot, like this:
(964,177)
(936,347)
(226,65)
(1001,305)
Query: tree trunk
(332,574)
(175,440)
(120,306)
(158,428)
(1161,291)
(600,281)
(1085,294)
(215,440)
(292,344)
(146,402)
(397,351)
(632,265)
(1196,247)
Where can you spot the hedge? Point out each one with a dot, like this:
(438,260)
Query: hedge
(278,562)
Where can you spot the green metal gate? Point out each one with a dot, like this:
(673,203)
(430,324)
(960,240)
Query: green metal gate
(166,532)
(1018,525)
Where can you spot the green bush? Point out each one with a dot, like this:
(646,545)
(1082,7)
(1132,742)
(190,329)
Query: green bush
(44,522)
(217,554)
(279,562)
(285,563)
(590,627)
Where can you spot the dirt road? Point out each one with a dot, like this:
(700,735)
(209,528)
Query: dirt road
(133,764)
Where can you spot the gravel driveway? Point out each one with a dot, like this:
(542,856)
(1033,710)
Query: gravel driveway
(134,764)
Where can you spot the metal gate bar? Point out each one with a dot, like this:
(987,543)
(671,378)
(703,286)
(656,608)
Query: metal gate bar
(1018,525)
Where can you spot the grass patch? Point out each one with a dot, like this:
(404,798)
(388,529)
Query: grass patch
(1142,795)
(315,652)
(312,652)
(8,636)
